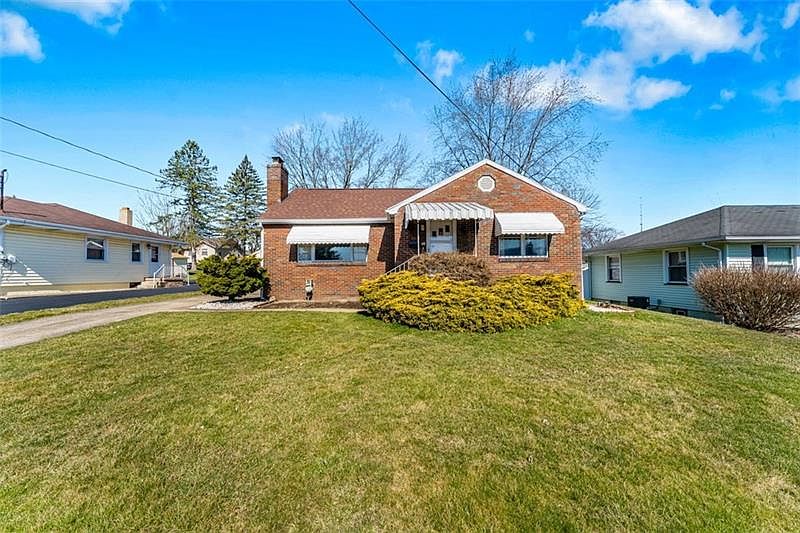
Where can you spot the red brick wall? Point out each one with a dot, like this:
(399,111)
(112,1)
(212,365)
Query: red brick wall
(512,195)
(389,243)
(331,281)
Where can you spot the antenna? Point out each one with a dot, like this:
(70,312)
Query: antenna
(641,215)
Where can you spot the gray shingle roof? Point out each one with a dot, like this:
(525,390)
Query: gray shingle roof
(720,224)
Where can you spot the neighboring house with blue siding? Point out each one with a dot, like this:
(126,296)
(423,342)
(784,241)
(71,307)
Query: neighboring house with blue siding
(655,267)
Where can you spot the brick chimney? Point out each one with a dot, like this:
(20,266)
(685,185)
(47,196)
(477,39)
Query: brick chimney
(277,182)
(126,215)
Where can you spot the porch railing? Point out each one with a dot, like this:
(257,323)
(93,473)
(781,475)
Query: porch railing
(401,267)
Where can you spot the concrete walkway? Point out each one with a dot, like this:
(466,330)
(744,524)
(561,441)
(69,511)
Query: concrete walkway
(55,326)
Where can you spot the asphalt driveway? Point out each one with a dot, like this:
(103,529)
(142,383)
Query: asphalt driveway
(32,303)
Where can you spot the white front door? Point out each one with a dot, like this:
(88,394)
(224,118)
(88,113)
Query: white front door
(154,259)
(441,236)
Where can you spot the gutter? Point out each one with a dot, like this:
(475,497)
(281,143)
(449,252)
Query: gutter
(718,250)
(91,231)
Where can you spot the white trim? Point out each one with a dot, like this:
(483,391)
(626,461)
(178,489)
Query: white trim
(764,238)
(311,221)
(605,264)
(665,265)
(393,209)
(91,231)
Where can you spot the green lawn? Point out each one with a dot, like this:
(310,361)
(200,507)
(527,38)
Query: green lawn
(13,318)
(337,422)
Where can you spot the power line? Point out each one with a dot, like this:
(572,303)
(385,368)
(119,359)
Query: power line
(78,146)
(95,176)
(422,73)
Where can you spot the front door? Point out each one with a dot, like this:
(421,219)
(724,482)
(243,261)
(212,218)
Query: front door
(442,236)
(154,260)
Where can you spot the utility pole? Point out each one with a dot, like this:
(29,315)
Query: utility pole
(2,187)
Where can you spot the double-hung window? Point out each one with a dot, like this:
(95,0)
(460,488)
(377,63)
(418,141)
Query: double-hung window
(95,249)
(346,253)
(613,269)
(136,252)
(677,266)
(779,258)
(523,246)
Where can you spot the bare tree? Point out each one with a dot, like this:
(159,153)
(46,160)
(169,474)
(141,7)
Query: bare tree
(525,121)
(157,214)
(353,155)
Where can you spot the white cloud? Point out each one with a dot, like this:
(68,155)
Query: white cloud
(647,92)
(791,15)
(716,107)
(529,35)
(611,77)
(726,95)
(443,62)
(18,38)
(106,14)
(656,29)
(332,119)
(775,94)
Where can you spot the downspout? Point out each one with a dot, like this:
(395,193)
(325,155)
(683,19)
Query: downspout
(718,250)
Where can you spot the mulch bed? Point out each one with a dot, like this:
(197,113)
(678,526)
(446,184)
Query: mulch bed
(311,304)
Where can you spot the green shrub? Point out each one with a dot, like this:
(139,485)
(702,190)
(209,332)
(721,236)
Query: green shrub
(438,303)
(457,267)
(231,277)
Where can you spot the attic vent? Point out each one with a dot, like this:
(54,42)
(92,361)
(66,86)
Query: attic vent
(486,183)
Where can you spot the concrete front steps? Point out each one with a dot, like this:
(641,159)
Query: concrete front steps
(157,283)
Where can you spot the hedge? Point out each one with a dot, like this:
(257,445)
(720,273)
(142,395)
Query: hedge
(438,303)
(458,267)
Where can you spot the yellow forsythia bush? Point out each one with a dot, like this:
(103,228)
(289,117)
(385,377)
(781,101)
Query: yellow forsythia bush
(439,303)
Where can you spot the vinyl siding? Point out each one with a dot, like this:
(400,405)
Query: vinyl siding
(49,257)
(643,275)
(738,255)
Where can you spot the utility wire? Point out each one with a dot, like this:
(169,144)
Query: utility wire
(78,146)
(95,176)
(422,73)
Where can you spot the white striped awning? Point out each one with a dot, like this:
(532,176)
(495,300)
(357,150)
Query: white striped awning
(530,223)
(328,234)
(447,211)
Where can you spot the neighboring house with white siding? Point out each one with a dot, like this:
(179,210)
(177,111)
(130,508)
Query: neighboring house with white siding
(54,247)
(655,266)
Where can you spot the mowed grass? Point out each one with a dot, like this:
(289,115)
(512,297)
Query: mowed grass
(336,421)
(13,318)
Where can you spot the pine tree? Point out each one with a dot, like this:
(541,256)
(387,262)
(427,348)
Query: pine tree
(244,203)
(192,179)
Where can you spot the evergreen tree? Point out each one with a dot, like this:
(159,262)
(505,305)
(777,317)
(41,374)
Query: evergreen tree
(192,179)
(244,203)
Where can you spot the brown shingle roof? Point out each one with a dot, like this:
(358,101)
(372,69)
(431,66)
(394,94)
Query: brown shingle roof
(337,203)
(63,215)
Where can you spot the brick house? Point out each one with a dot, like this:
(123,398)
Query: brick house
(328,240)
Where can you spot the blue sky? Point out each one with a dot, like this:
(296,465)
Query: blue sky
(700,101)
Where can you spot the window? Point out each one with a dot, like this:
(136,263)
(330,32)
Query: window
(757,253)
(613,269)
(779,258)
(523,246)
(154,253)
(204,252)
(348,253)
(677,266)
(95,249)
(136,252)
(486,183)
